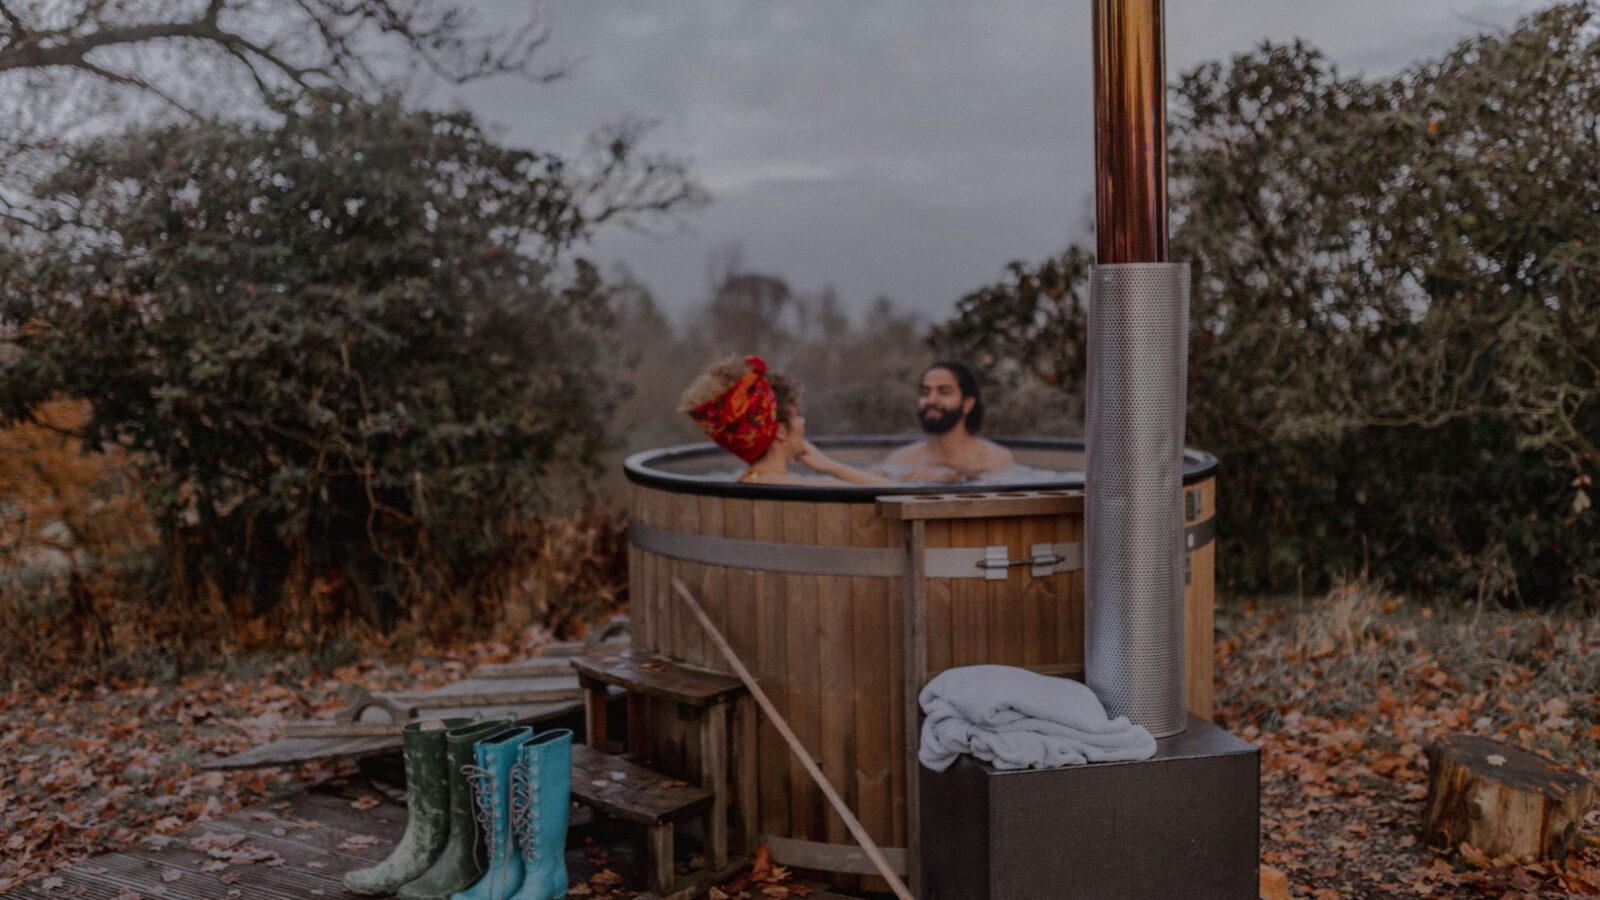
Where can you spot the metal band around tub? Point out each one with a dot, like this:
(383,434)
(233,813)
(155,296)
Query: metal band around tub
(768,556)
(991,563)
(1200,534)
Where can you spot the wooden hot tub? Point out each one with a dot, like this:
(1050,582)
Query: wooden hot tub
(812,587)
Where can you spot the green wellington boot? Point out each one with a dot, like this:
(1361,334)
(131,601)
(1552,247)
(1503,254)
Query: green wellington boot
(541,790)
(462,858)
(427,808)
(491,796)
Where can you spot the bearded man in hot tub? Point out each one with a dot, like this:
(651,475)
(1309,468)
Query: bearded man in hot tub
(950,408)
(755,415)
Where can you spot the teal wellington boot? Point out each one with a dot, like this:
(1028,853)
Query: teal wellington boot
(461,861)
(541,791)
(491,798)
(427,809)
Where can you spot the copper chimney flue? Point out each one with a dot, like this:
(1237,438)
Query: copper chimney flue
(1130,131)
(1134,556)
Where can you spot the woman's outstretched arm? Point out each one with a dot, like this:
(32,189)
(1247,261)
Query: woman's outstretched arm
(827,465)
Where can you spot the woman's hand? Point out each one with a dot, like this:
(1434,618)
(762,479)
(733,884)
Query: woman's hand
(827,465)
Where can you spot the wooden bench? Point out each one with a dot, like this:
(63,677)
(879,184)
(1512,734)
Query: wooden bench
(702,697)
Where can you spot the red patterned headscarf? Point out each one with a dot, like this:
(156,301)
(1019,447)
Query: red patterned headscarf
(744,418)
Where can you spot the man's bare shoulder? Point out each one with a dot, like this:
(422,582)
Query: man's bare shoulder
(910,455)
(996,457)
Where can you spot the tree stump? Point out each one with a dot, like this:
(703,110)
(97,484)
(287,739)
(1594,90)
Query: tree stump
(1502,800)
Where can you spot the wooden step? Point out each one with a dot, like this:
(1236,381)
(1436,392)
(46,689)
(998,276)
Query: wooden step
(631,792)
(638,672)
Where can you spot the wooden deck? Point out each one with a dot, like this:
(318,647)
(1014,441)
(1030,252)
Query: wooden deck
(535,690)
(301,848)
(293,849)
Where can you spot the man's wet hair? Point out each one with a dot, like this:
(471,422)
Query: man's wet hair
(968,383)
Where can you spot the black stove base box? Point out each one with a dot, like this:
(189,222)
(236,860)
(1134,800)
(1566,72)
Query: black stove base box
(1183,825)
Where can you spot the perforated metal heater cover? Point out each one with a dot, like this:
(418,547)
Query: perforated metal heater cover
(1133,547)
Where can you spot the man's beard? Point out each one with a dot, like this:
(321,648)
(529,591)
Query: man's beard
(938,420)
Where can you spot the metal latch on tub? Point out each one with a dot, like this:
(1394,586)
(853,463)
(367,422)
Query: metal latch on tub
(992,563)
(995,563)
(1045,559)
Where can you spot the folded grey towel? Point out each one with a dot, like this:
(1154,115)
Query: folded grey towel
(1016,719)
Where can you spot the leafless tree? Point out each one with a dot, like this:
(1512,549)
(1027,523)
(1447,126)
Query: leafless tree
(149,47)
(70,67)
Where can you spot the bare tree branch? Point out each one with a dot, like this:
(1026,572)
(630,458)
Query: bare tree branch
(632,189)
(139,83)
(321,43)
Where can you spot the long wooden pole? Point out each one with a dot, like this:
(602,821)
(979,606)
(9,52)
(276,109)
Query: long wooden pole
(799,749)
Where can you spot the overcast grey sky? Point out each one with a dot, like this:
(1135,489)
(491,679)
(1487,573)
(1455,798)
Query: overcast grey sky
(907,148)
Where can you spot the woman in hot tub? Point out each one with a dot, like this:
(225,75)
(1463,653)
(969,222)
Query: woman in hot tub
(755,415)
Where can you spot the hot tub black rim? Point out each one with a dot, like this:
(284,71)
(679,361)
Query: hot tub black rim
(639,468)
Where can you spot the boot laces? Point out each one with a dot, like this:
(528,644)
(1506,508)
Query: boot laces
(522,812)
(486,803)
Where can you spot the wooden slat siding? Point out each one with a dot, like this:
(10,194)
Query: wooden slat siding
(914,670)
(804,675)
(714,778)
(690,639)
(1037,593)
(641,586)
(747,785)
(1200,606)
(941,614)
(869,621)
(970,631)
(893,537)
(661,633)
(1022,620)
(652,598)
(1069,613)
(713,583)
(638,608)
(676,632)
(768,666)
(1006,598)
(738,521)
(653,639)
(666,623)
(836,663)
(1058,598)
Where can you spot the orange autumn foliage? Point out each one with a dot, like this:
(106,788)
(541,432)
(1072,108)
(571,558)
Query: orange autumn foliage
(59,499)
(67,521)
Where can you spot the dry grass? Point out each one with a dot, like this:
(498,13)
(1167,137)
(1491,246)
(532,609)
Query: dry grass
(1344,694)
